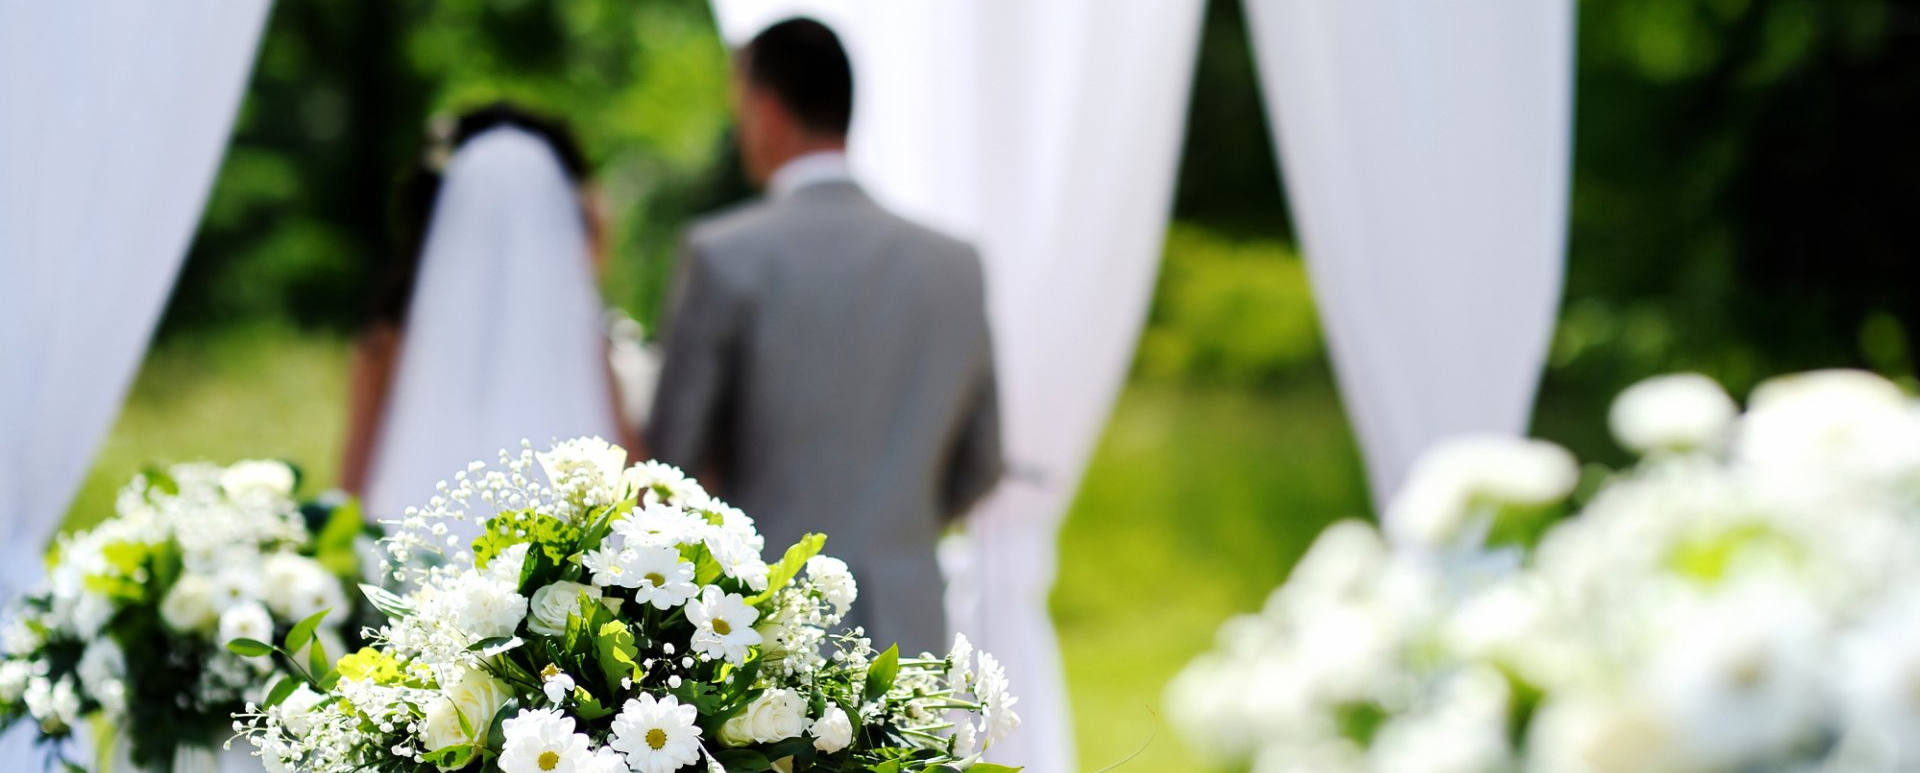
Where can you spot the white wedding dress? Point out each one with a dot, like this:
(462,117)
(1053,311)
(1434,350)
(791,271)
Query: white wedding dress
(503,338)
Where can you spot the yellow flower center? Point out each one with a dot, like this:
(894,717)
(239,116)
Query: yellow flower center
(549,760)
(721,627)
(657,739)
(657,579)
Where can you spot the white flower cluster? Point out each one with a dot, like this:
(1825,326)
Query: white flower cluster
(1746,599)
(209,554)
(615,618)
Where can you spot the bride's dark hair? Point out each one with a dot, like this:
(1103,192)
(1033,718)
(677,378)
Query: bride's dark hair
(419,187)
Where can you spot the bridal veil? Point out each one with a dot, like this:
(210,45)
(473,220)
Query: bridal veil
(503,338)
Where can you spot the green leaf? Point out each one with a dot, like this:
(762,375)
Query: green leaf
(317,660)
(334,547)
(386,601)
(249,648)
(495,645)
(988,767)
(303,631)
(587,707)
(881,672)
(742,760)
(790,565)
(282,688)
(613,644)
(452,757)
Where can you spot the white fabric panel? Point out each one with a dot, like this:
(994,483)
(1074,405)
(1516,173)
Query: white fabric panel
(113,120)
(1047,134)
(504,339)
(1425,149)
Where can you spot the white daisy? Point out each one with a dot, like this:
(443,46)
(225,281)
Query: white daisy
(737,557)
(609,567)
(656,735)
(659,483)
(657,576)
(543,741)
(723,625)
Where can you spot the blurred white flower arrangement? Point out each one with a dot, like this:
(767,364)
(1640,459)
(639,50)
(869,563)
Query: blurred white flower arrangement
(1746,598)
(131,623)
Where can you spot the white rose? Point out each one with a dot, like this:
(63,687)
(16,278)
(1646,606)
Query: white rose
(776,715)
(553,603)
(834,580)
(246,621)
(188,606)
(833,731)
(257,476)
(474,695)
(1682,411)
(296,710)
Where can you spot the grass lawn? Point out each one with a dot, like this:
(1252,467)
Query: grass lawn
(1196,503)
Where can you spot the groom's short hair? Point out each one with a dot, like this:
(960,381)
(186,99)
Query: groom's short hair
(802,63)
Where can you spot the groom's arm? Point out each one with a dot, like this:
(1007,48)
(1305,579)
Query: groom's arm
(699,345)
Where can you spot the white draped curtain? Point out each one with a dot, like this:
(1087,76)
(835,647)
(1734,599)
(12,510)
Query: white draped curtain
(1425,149)
(113,120)
(1047,133)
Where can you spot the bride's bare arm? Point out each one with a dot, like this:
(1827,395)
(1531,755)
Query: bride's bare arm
(370,381)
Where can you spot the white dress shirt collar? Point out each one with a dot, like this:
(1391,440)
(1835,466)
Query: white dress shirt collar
(824,166)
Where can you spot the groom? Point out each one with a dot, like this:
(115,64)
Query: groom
(827,363)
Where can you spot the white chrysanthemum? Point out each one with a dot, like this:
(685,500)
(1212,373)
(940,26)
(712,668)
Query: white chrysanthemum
(998,718)
(1679,412)
(1465,732)
(657,576)
(188,605)
(247,621)
(1850,424)
(659,483)
(1739,675)
(833,731)
(960,660)
(659,525)
(543,741)
(487,608)
(723,625)
(833,579)
(738,558)
(1453,482)
(553,603)
(13,678)
(657,735)
(1879,680)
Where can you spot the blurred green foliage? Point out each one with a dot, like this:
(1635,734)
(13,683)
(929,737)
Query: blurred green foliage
(343,91)
(1229,311)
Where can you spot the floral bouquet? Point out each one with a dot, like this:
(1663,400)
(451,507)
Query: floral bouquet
(610,620)
(1747,598)
(131,622)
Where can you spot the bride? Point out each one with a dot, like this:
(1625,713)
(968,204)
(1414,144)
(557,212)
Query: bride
(499,337)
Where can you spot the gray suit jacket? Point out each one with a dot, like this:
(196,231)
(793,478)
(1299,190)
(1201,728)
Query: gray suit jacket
(828,369)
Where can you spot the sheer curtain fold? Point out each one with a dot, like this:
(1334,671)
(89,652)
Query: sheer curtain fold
(1425,150)
(113,120)
(1048,135)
